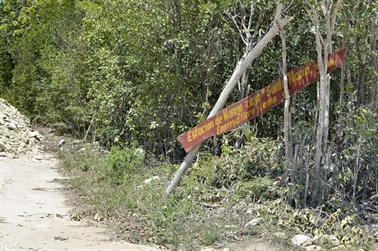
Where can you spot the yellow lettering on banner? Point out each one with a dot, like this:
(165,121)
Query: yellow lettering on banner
(254,101)
(301,74)
(244,116)
(189,137)
(254,112)
(277,87)
(199,131)
(218,119)
(210,126)
(268,103)
(234,111)
(227,126)
(295,77)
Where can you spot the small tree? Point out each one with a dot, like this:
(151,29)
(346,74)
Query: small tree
(328,9)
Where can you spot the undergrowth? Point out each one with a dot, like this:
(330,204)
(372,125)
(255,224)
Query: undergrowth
(213,204)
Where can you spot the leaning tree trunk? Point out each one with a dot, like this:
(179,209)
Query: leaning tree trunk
(241,67)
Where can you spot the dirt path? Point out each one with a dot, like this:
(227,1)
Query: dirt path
(34,215)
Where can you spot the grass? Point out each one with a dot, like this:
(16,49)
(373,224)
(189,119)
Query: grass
(117,188)
(112,187)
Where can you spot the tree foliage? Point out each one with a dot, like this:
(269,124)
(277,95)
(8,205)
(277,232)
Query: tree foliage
(142,72)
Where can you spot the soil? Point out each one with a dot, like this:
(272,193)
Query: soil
(34,214)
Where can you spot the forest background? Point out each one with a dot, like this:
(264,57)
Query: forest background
(137,74)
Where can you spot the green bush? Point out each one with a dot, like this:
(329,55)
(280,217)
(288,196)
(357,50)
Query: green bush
(122,163)
(257,158)
(258,187)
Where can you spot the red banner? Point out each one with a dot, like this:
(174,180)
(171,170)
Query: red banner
(257,103)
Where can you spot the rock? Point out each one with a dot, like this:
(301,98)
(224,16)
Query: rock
(140,151)
(148,181)
(313,247)
(76,142)
(83,149)
(11,126)
(98,217)
(35,135)
(340,247)
(16,134)
(374,197)
(333,239)
(3,155)
(39,158)
(301,240)
(253,222)
(207,249)
(3,147)
(61,142)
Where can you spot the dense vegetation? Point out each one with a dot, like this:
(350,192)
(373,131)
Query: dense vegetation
(135,73)
(217,203)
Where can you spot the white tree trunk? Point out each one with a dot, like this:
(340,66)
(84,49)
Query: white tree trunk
(323,48)
(287,110)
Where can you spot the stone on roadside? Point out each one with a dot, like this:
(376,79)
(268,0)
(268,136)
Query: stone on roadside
(207,249)
(61,142)
(16,134)
(39,158)
(253,222)
(11,126)
(301,240)
(3,147)
(35,135)
(148,181)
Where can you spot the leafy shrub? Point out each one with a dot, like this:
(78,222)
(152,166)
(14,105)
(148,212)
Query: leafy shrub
(317,223)
(256,158)
(258,187)
(123,162)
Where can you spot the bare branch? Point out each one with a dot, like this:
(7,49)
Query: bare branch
(278,14)
(233,18)
(324,8)
(334,15)
(251,12)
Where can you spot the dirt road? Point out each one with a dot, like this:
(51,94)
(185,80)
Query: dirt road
(34,215)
